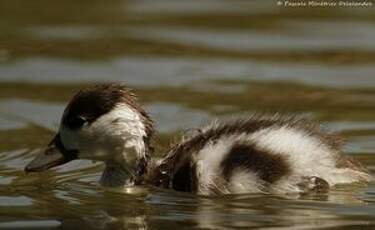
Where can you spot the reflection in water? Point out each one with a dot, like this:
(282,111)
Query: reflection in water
(242,212)
(33,224)
(274,212)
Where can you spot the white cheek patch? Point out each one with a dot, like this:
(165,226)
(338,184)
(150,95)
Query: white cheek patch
(121,131)
(122,119)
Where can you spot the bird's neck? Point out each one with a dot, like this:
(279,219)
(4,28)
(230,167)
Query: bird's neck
(120,174)
(116,174)
(125,170)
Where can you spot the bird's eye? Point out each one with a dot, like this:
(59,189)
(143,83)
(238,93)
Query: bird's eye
(77,122)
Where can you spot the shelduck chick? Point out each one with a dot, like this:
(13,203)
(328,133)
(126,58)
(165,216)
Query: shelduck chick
(259,154)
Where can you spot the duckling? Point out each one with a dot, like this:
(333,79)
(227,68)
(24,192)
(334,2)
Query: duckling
(268,154)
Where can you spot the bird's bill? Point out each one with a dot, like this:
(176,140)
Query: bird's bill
(55,154)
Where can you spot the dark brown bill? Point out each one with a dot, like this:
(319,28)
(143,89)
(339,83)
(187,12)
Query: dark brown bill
(54,155)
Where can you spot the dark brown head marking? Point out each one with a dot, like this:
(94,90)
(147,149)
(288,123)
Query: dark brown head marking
(91,103)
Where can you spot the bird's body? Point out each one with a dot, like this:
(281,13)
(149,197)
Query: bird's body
(259,154)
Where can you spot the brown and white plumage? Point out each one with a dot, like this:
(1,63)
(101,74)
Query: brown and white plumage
(259,154)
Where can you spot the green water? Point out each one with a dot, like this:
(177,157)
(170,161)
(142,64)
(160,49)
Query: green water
(190,62)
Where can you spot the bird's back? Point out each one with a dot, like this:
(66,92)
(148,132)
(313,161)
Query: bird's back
(260,154)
